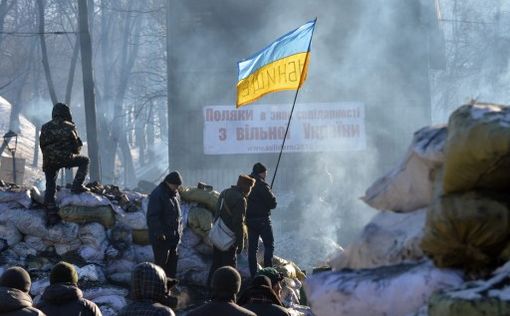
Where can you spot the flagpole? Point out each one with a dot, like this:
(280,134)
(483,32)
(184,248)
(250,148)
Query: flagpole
(305,67)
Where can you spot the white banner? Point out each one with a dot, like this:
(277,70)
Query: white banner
(260,128)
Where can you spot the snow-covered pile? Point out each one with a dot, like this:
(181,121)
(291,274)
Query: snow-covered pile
(105,235)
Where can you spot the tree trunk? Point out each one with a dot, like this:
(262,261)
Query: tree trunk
(72,70)
(44,53)
(163,123)
(5,7)
(150,134)
(169,79)
(88,90)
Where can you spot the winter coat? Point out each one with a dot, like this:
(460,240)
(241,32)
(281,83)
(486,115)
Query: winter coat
(164,215)
(65,299)
(236,201)
(262,300)
(218,308)
(59,139)
(149,293)
(14,302)
(261,200)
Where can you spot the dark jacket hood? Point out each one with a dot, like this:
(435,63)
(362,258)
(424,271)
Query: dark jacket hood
(61,293)
(61,111)
(13,299)
(149,283)
(259,294)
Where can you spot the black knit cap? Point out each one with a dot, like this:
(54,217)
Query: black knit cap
(259,168)
(16,278)
(226,280)
(63,272)
(174,177)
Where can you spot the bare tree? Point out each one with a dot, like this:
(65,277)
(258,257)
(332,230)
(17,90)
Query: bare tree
(44,53)
(88,90)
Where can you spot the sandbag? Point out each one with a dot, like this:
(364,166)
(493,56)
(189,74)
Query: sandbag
(467,230)
(409,185)
(10,233)
(193,267)
(92,254)
(30,222)
(63,233)
(475,298)
(83,214)
(391,290)
(189,239)
(143,253)
(207,198)
(36,243)
(477,149)
(133,220)
(388,239)
(141,237)
(65,197)
(92,234)
(61,249)
(22,197)
(22,249)
(200,221)
(288,268)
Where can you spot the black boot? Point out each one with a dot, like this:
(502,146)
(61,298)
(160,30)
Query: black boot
(77,189)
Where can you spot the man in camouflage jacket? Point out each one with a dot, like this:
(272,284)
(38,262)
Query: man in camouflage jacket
(60,146)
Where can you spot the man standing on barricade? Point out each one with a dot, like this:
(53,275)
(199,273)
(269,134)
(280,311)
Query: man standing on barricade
(163,220)
(260,203)
(60,146)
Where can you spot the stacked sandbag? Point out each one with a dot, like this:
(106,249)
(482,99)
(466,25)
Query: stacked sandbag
(389,238)
(204,195)
(408,186)
(397,290)
(481,297)
(467,223)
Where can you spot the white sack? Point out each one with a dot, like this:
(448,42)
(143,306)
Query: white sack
(134,220)
(63,233)
(90,272)
(22,249)
(389,238)
(409,185)
(92,234)
(189,239)
(61,249)
(143,253)
(193,267)
(31,222)
(93,254)
(39,286)
(65,197)
(36,243)
(393,290)
(23,198)
(94,293)
(10,233)
(116,302)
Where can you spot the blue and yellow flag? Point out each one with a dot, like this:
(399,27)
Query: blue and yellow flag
(280,66)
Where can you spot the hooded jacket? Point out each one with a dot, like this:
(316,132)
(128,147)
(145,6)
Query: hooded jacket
(164,215)
(66,299)
(14,302)
(59,139)
(234,213)
(149,292)
(261,200)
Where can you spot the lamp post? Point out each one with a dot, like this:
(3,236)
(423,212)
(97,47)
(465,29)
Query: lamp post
(12,149)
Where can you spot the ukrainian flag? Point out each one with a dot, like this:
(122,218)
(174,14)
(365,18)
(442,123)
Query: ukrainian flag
(280,66)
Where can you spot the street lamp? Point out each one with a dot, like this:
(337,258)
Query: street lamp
(12,149)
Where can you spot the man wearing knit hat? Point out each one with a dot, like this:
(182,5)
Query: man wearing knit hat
(231,208)
(63,297)
(163,221)
(226,283)
(15,297)
(260,203)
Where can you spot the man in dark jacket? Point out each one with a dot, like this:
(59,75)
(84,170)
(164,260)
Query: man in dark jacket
(15,299)
(149,291)
(226,283)
(260,203)
(163,220)
(261,299)
(232,210)
(63,297)
(60,146)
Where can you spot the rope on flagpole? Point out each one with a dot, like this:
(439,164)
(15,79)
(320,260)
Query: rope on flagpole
(305,68)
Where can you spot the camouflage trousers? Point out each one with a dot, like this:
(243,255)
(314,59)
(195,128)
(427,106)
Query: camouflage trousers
(51,174)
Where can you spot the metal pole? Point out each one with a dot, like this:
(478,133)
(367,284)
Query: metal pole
(305,69)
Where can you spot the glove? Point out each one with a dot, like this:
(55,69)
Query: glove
(161,237)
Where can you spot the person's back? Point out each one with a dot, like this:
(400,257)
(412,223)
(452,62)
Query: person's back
(261,299)
(63,297)
(225,284)
(66,300)
(219,307)
(15,299)
(149,289)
